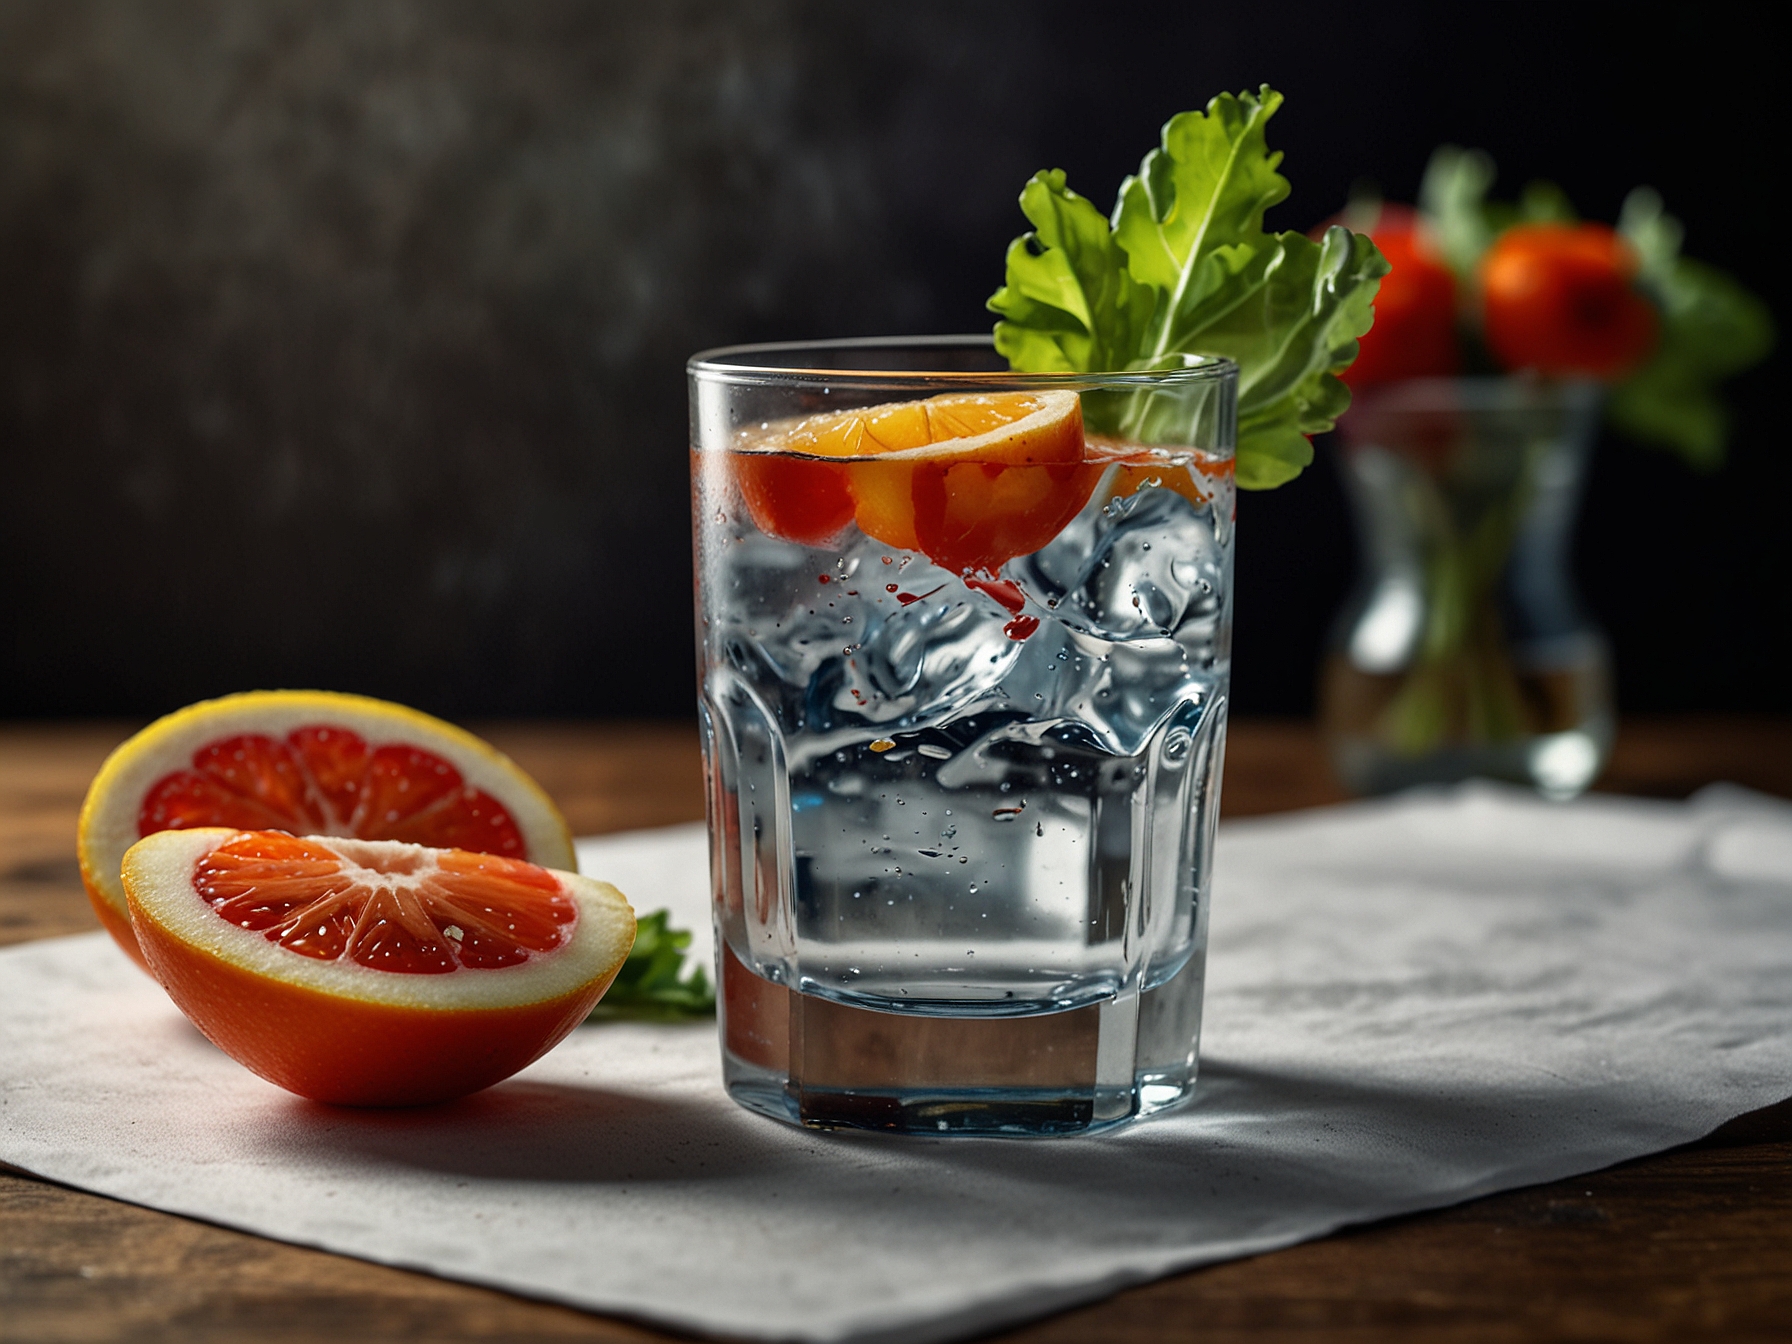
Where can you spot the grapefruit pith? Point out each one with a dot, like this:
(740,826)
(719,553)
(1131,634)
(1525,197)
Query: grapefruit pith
(312,763)
(371,973)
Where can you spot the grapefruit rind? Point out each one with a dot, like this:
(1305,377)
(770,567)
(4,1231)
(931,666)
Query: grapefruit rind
(1039,437)
(108,822)
(158,876)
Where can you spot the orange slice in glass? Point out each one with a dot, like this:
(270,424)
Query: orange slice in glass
(970,480)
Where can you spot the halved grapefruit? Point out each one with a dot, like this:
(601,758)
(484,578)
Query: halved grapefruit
(369,972)
(312,763)
(969,479)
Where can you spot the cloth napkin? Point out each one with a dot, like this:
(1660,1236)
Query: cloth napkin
(1411,1002)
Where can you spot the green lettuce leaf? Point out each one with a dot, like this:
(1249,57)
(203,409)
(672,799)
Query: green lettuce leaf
(1071,303)
(650,986)
(1293,331)
(1185,268)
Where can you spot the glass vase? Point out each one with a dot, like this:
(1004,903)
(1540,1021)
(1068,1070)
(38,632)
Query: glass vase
(1464,650)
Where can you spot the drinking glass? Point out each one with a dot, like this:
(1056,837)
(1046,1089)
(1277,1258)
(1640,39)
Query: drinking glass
(961,801)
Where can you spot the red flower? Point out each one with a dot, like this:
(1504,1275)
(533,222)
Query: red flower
(1414,335)
(1561,299)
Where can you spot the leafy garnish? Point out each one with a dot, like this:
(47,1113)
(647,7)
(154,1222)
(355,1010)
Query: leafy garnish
(1185,268)
(649,987)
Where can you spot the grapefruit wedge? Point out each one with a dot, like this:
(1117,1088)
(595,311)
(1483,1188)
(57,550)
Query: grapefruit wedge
(969,479)
(312,763)
(369,972)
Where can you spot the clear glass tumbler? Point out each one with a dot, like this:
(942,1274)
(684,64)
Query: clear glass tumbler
(964,639)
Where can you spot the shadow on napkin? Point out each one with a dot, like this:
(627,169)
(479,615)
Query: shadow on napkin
(1251,1128)
(1264,1146)
(531,1131)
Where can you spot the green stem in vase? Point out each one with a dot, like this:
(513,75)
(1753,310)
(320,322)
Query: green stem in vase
(1463,686)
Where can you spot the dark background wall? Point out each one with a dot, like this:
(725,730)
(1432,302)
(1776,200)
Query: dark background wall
(341,344)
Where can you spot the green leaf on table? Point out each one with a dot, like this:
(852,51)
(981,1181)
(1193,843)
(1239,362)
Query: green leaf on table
(1185,268)
(652,986)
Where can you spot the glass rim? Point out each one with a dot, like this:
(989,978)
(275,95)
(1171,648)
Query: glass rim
(719,364)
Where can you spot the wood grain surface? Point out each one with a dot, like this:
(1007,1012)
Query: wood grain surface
(1692,1244)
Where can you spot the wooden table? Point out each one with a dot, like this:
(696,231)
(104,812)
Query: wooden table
(1692,1243)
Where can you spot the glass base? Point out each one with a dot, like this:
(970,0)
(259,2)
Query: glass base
(1559,766)
(1546,728)
(971,1112)
(822,1064)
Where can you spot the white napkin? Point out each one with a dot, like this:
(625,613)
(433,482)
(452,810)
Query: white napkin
(1411,1003)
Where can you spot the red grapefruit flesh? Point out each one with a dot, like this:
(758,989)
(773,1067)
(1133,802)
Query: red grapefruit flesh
(371,973)
(311,763)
